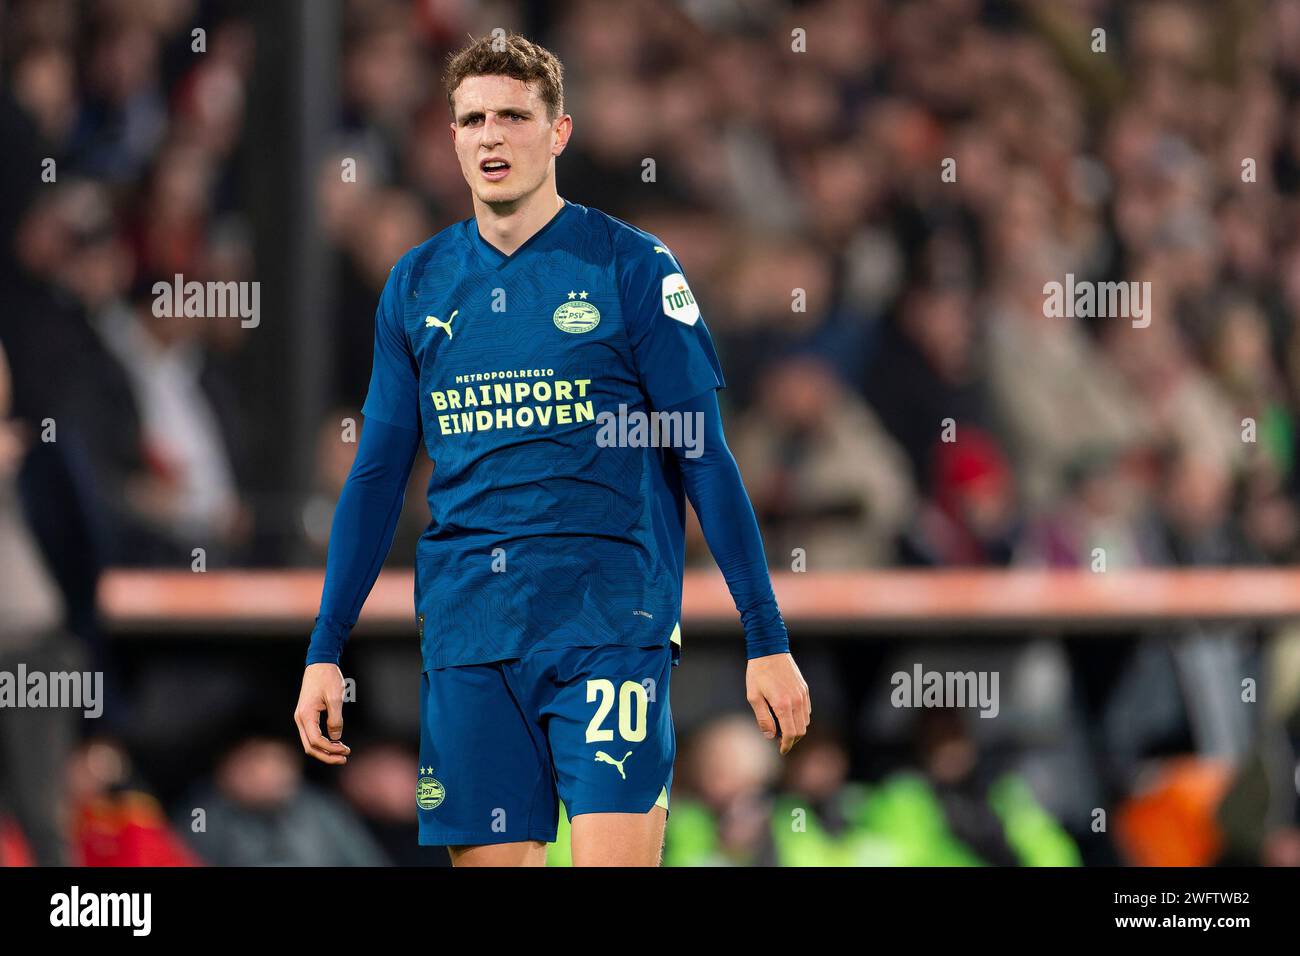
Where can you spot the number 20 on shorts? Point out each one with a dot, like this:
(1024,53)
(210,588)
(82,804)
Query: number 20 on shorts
(632,703)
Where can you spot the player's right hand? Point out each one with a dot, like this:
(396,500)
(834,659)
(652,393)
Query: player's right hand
(779,695)
(322,690)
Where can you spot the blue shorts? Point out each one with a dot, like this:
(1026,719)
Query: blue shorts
(502,743)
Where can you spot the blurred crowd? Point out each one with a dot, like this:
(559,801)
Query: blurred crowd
(120,173)
(897,394)
(869,220)
(870,223)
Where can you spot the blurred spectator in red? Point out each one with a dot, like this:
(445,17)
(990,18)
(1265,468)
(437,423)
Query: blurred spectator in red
(971,517)
(114,822)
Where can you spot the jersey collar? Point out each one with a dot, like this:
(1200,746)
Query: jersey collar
(494,257)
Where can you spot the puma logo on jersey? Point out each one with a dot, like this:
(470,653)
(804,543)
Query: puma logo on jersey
(432,320)
(602,757)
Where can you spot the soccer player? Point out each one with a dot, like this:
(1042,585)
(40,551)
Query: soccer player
(535,349)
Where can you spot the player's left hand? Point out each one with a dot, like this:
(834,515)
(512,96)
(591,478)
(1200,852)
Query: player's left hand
(322,690)
(779,695)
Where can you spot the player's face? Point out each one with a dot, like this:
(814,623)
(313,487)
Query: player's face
(501,118)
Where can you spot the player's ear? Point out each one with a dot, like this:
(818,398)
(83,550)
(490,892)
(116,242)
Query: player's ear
(563,130)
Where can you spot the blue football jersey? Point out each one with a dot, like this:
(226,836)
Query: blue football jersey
(542,533)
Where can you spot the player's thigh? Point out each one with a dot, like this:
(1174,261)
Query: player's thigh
(611,733)
(619,839)
(528,853)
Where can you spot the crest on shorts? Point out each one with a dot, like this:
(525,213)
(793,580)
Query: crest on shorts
(429,792)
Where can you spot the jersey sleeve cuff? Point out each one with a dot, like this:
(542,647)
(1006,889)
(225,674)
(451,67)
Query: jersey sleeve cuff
(327,639)
(765,646)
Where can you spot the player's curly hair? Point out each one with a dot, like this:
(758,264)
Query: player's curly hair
(509,55)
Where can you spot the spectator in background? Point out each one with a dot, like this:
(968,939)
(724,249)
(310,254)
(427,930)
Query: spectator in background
(775,299)
(1241,361)
(384,77)
(391,223)
(822,473)
(132,389)
(170,223)
(972,516)
(44,82)
(66,265)
(721,807)
(430,166)
(819,818)
(925,374)
(187,496)
(34,741)
(1194,510)
(1057,395)
(335,451)
(377,786)
(957,809)
(258,811)
(123,117)
(60,384)
(619,133)
(115,821)
(1180,403)
(1098,516)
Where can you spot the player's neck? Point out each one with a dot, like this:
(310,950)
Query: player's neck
(507,228)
